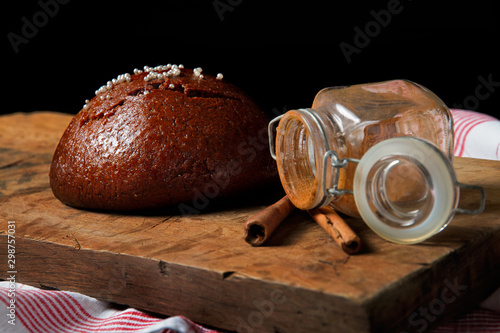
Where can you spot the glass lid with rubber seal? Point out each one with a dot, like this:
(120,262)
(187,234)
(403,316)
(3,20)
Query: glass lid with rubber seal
(406,190)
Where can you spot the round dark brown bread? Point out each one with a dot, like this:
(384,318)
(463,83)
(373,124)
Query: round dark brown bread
(161,137)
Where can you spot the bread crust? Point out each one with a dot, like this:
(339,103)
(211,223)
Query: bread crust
(160,142)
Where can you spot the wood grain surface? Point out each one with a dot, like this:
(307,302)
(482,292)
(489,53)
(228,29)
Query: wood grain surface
(201,267)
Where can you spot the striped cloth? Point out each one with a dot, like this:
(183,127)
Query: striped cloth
(476,321)
(50,311)
(476,135)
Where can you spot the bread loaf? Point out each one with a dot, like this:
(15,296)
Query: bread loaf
(161,137)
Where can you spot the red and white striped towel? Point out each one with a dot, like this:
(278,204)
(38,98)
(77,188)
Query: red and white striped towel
(476,321)
(53,311)
(476,135)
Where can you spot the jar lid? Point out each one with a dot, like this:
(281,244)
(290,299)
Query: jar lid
(405,189)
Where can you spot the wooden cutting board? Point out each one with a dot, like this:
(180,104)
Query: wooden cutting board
(199,265)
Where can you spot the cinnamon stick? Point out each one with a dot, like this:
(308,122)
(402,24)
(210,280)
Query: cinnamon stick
(337,228)
(260,226)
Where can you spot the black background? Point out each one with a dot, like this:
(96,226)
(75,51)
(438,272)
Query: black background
(280,53)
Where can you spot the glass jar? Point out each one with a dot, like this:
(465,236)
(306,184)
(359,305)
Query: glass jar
(382,151)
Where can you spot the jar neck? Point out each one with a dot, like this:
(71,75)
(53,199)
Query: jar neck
(303,138)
